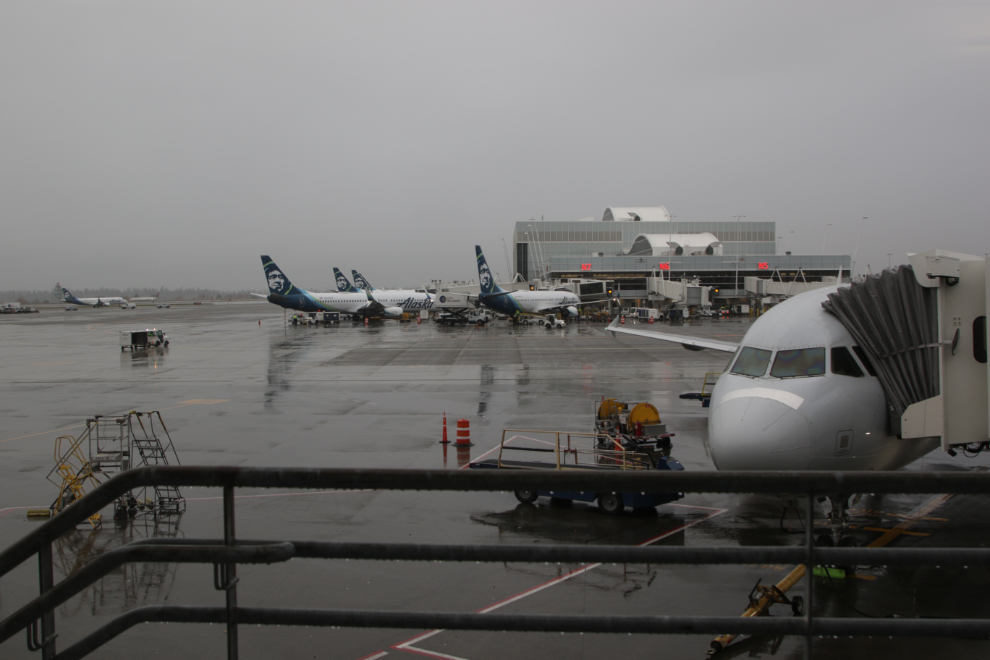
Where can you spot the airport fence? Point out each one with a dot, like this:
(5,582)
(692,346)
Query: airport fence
(37,617)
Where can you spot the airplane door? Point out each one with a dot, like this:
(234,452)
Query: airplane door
(843,442)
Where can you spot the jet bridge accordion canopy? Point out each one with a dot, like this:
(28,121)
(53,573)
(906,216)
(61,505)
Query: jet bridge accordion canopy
(895,321)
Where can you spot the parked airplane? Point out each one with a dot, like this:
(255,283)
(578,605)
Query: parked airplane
(384,304)
(153,298)
(514,303)
(412,295)
(343,284)
(798,394)
(102,301)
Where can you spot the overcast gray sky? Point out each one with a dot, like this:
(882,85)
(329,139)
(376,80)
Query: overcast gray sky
(171,143)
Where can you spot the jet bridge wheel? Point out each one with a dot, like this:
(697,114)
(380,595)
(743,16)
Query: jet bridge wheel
(611,503)
(526,496)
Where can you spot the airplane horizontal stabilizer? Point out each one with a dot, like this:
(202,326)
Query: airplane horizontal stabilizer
(258,295)
(691,343)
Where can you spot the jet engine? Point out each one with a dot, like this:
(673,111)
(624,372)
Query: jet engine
(393,312)
(572,310)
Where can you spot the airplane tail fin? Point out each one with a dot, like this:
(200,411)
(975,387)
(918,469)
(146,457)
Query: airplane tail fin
(278,283)
(69,298)
(343,284)
(360,282)
(485,278)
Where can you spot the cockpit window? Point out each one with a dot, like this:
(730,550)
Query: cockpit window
(799,362)
(844,364)
(751,362)
(861,354)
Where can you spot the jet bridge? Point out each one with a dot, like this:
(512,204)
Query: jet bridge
(924,329)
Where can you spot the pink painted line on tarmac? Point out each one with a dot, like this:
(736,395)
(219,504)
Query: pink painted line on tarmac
(8,510)
(407,645)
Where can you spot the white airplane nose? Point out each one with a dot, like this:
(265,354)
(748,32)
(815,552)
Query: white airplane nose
(764,431)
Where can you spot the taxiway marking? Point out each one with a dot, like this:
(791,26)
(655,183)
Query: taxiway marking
(407,645)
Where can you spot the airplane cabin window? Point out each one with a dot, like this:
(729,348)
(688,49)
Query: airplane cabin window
(751,362)
(980,339)
(798,363)
(844,364)
(861,354)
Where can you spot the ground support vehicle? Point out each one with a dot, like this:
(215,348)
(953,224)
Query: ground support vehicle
(450,319)
(601,453)
(163,306)
(552,321)
(135,339)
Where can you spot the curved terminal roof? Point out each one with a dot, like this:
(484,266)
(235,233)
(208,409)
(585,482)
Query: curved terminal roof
(661,245)
(636,214)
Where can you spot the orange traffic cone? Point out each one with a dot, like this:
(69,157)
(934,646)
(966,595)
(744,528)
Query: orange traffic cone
(622,321)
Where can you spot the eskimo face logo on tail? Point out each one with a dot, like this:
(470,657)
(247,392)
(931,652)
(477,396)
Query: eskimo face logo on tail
(341,282)
(485,275)
(276,281)
(66,295)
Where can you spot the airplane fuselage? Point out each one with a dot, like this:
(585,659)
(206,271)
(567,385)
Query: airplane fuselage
(348,303)
(528,302)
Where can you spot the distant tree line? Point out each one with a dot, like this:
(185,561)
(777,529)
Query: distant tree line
(35,297)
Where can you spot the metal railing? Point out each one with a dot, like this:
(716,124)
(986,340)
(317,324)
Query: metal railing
(38,616)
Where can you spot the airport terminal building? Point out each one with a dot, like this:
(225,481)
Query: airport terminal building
(630,244)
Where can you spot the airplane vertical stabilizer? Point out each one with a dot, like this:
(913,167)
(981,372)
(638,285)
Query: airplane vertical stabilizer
(278,283)
(485,278)
(360,281)
(343,284)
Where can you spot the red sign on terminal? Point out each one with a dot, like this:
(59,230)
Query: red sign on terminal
(585,266)
(764,265)
(664,266)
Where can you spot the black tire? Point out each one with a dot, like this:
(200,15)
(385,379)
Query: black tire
(797,605)
(526,496)
(611,503)
(157,344)
(166,344)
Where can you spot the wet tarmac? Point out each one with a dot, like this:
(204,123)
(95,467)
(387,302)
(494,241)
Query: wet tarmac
(234,391)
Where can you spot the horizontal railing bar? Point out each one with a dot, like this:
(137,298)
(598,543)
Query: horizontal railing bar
(135,552)
(534,623)
(655,481)
(619,554)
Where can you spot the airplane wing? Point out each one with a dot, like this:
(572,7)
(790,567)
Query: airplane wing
(373,306)
(258,295)
(690,343)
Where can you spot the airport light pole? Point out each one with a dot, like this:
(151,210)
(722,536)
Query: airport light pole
(856,251)
(736,287)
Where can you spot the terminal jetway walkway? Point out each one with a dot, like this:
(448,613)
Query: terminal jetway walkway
(923,328)
(895,321)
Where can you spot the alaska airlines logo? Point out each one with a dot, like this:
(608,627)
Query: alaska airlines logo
(443,299)
(276,281)
(409,303)
(361,282)
(485,275)
(66,295)
(341,283)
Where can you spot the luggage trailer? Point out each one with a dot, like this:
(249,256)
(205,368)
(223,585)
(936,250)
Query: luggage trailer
(602,452)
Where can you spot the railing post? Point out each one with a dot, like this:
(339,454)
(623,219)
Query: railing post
(809,570)
(46,579)
(230,573)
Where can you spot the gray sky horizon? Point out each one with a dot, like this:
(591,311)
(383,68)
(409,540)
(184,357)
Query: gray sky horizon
(149,145)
